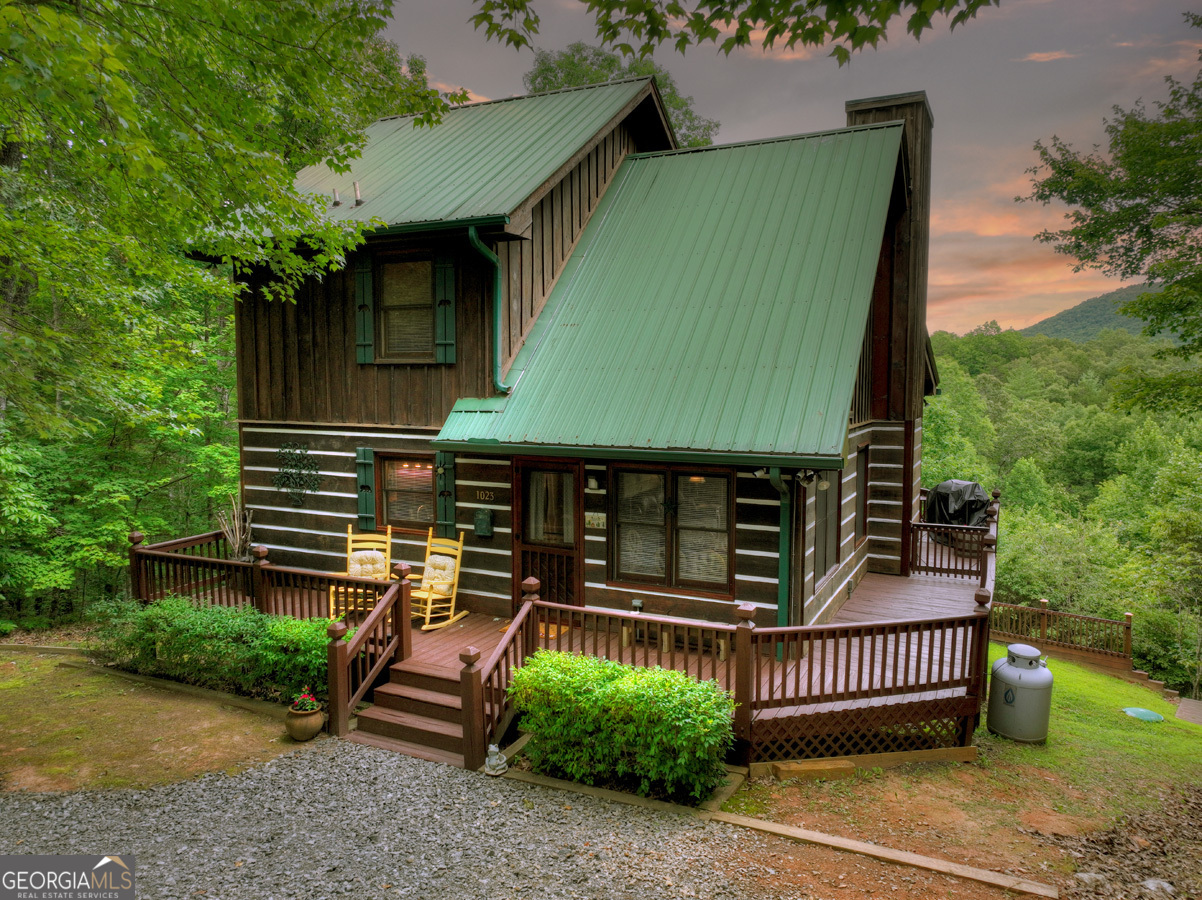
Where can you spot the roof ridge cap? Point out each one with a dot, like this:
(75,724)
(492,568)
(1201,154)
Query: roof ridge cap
(563,90)
(759,142)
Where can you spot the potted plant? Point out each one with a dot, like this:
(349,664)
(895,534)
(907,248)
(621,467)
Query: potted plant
(305,717)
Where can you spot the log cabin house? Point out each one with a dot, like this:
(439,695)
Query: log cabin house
(681,385)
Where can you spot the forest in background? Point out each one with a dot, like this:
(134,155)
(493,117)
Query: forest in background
(1101,506)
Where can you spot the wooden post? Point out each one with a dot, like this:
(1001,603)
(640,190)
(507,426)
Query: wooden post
(1043,620)
(258,579)
(403,611)
(744,673)
(137,581)
(337,676)
(1127,635)
(472,694)
(530,589)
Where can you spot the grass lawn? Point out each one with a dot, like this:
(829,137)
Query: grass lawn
(1097,765)
(63,728)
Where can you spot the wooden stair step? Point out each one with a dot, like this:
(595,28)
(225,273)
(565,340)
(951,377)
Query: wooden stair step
(419,751)
(425,676)
(406,698)
(413,728)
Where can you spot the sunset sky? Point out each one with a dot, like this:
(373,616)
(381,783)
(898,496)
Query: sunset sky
(1024,71)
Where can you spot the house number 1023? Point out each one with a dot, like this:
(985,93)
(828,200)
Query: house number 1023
(485,495)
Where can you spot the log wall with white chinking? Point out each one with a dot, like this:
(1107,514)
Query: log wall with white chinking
(886,476)
(531,266)
(486,582)
(313,536)
(820,602)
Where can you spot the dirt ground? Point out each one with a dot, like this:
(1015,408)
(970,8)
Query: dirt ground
(1016,823)
(64,728)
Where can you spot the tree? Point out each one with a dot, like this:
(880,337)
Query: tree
(135,134)
(637,27)
(581,64)
(1137,211)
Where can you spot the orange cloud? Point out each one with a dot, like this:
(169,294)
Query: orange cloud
(472,96)
(1047,57)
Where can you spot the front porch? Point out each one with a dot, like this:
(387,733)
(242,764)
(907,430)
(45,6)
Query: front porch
(900,667)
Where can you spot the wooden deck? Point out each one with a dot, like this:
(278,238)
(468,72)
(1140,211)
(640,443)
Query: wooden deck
(878,598)
(891,598)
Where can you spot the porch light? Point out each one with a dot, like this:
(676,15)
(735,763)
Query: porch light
(697,479)
(637,604)
(823,485)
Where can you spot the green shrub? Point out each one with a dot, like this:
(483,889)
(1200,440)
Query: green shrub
(7,628)
(239,650)
(653,730)
(35,623)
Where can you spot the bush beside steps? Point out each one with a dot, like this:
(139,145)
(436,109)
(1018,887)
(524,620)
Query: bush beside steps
(654,731)
(236,650)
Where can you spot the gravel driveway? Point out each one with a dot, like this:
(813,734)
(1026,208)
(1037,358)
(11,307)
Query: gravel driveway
(340,819)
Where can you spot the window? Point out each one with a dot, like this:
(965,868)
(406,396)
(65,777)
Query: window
(408,498)
(861,494)
(550,516)
(404,308)
(672,527)
(826,523)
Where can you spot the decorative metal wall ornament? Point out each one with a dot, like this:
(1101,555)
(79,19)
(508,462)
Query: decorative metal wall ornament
(297,473)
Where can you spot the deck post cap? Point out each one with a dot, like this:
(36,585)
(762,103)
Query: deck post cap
(531,585)
(745,612)
(336,630)
(470,656)
(402,569)
(259,552)
(983,597)
(136,537)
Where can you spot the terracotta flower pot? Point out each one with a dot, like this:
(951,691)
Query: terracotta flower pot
(303,726)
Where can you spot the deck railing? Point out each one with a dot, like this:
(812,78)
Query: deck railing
(833,663)
(1108,640)
(197,568)
(955,550)
(354,664)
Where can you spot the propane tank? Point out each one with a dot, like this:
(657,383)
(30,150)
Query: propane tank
(1020,696)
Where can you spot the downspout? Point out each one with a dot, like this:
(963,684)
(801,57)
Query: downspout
(474,238)
(783,566)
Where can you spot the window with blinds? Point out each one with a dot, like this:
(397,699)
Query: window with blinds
(408,495)
(672,527)
(406,310)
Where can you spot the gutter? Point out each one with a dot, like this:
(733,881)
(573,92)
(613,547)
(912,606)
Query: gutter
(474,238)
(783,578)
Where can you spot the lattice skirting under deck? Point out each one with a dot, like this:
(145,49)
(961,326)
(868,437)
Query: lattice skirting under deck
(852,731)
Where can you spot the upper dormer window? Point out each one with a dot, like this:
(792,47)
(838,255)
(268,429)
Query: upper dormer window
(405,308)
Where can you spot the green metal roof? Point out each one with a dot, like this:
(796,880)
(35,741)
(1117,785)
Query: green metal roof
(482,161)
(714,309)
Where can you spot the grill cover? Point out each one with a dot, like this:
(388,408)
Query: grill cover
(956,502)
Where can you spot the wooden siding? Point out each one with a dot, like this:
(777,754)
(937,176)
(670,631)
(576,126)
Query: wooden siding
(902,308)
(296,361)
(530,267)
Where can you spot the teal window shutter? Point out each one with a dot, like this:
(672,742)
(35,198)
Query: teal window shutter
(365,473)
(444,486)
(365,310)
(444,309)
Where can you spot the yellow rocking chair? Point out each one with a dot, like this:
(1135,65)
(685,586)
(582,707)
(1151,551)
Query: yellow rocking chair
(434,597)
(367,556)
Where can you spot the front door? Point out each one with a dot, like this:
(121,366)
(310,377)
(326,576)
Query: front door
(548,540)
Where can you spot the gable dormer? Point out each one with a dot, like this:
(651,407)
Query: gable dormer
(479,215)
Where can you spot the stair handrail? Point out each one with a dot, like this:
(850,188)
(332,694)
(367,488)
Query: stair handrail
(484,689)
(350,668)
